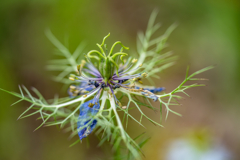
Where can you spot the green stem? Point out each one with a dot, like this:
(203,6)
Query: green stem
(120,126)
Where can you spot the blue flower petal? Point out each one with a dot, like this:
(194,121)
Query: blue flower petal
(85,116)
(153,90)
(152,96)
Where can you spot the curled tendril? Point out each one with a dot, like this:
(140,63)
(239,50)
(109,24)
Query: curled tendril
(118,42)
(103,42)
(100,47)
(121,58)
(117,54)
(95,57)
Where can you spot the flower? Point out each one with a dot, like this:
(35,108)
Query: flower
(101,76)
(108,75)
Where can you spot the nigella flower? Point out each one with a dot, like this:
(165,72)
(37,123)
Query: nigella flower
(99,78)
(108,75)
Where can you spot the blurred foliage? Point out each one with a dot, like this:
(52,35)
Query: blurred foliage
(208,33)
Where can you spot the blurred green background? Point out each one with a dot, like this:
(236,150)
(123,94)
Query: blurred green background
(208,34)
